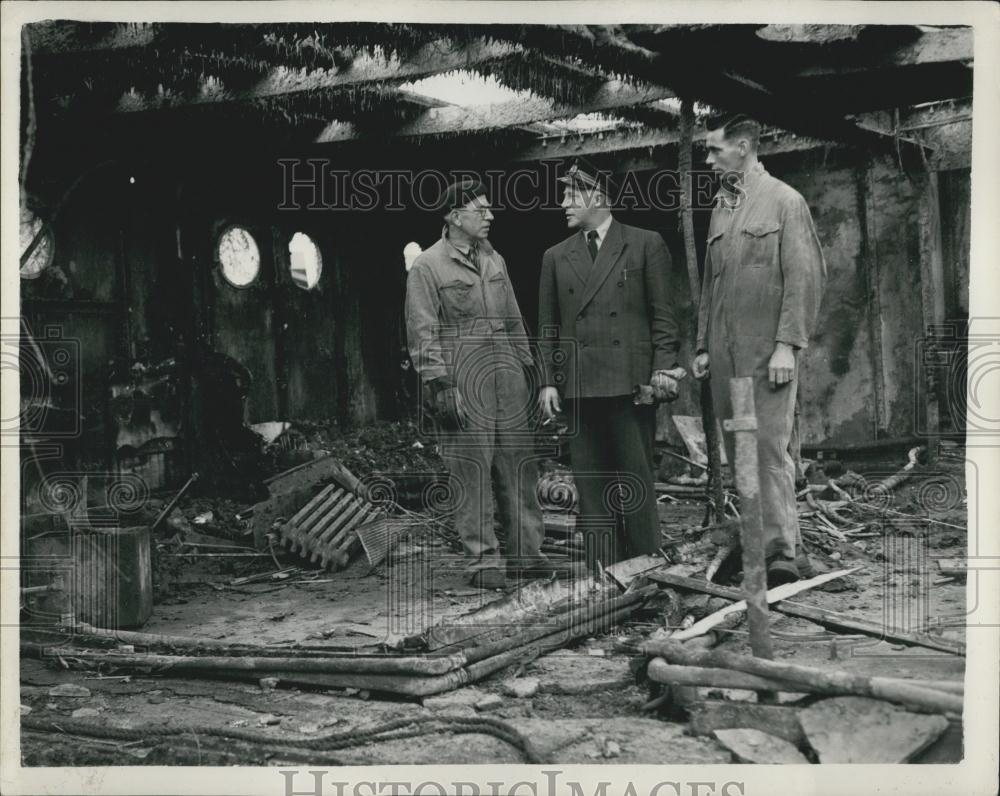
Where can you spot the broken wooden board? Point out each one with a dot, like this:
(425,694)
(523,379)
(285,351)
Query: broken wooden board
(773,595)
(754,746)
(821,616)
(624,572)
(783,722)
(862,730)
(535,604)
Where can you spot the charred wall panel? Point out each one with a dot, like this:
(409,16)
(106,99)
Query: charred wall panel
(310,321)
(902,323)
(836,368)
(243,323)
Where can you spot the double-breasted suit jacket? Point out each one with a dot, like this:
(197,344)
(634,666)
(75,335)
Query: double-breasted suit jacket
(606,325)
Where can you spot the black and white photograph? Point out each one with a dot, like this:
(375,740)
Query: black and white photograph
(485,399)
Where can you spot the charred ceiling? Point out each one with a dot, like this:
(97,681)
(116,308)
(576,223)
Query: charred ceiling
(331,84)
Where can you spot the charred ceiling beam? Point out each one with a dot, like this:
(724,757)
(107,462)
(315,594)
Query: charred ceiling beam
(878,89)
(641,145)
(563,81)
(810,34)
(657,114)
(937,65)
(452,120)
(66,37)
(726,87)
(435,57)
(931,46)
(736,67)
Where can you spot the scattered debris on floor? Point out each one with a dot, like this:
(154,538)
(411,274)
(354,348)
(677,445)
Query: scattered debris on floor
(257,609)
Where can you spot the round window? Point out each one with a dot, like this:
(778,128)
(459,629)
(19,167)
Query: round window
(306,262)
(411,251)
(41,257)
(239,256)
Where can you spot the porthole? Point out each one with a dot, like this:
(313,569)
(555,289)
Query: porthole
(239,257)
(411,251)
(305,261)
(41,257)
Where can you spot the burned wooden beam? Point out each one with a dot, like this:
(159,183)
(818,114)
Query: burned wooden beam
(642,142)
(561,80)
(934,46)
(810,34)
(436,57)
(67,37)
(450,120)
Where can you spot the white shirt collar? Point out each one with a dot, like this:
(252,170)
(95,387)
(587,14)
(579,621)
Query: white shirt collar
(602,230)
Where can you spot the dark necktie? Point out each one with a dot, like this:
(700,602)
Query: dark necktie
(592,244)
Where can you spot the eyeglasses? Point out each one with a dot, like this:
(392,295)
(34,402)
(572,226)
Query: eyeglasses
(482,212)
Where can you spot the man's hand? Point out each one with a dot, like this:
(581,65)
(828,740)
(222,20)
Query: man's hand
(548,402)
(449,408)
(664,383)
(781,366)
(699,366)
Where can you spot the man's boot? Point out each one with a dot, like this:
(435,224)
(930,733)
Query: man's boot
(804,566)
(488,578)
(781,570)
(541,566)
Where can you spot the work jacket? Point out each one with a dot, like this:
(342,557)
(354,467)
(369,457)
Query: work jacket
(605,325)
(764,270)
(463,322)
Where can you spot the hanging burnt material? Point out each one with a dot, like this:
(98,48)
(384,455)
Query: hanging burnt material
(565,83)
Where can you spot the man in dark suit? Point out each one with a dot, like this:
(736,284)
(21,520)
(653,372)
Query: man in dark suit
(607,327)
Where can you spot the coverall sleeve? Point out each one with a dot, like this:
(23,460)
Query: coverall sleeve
(549,327)
(663,327)
(804,273)
(423,334)
(516,331)
(704,303)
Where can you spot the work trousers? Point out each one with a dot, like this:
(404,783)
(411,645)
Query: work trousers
(775,410)
(611,453)
(491,465)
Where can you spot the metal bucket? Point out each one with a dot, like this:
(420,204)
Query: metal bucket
(109,581)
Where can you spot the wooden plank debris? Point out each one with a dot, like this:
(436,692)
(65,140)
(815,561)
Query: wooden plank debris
(821,616)
(772,596)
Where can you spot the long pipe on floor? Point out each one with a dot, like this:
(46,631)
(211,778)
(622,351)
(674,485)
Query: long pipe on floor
(708,677)
(416,666)
(809,676)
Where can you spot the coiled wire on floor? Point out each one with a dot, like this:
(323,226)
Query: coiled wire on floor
(343,739)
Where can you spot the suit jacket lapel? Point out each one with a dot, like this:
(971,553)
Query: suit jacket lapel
(579,258)
(602,267)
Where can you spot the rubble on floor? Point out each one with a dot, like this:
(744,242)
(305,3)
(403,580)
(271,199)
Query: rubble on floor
(568,665)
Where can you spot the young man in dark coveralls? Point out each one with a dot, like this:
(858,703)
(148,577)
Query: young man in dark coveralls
(607,325)
(469,346)
(763,280)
